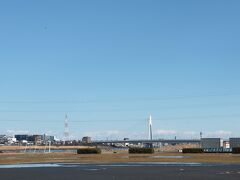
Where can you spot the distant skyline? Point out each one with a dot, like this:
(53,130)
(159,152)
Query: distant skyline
(108,65)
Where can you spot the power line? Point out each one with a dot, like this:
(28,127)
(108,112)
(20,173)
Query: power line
(124,109)
(129,99)
(213,116)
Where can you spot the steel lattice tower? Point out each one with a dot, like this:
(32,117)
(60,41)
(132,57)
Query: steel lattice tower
(66,128)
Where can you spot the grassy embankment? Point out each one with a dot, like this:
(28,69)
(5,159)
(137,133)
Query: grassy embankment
(123,157)
(16,148)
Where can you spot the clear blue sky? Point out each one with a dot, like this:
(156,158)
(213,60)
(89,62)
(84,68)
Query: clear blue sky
(109,64)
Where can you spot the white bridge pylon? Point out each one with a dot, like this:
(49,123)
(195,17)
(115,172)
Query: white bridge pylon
(150,134)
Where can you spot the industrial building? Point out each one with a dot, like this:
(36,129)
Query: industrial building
(234,142)
(210,143)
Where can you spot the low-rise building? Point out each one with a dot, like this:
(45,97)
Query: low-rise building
(34,139)
(3,139)
(37,139)
(22,137)
(126,144)
(47,138)
(226,144)
(86,140)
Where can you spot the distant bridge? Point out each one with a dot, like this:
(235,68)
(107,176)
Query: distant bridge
(145,141)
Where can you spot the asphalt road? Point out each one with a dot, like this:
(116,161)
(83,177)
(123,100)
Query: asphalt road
(122,172)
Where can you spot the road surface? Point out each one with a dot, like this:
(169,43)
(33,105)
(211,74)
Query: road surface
(121,172)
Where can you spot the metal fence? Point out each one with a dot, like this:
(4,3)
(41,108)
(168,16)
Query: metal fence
(217,150)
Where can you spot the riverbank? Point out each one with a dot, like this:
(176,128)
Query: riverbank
(123,157)
(17,148)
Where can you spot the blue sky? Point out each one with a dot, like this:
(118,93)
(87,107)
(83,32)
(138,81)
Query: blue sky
(109,64)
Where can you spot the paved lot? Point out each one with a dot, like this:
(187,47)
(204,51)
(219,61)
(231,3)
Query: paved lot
(122,172)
